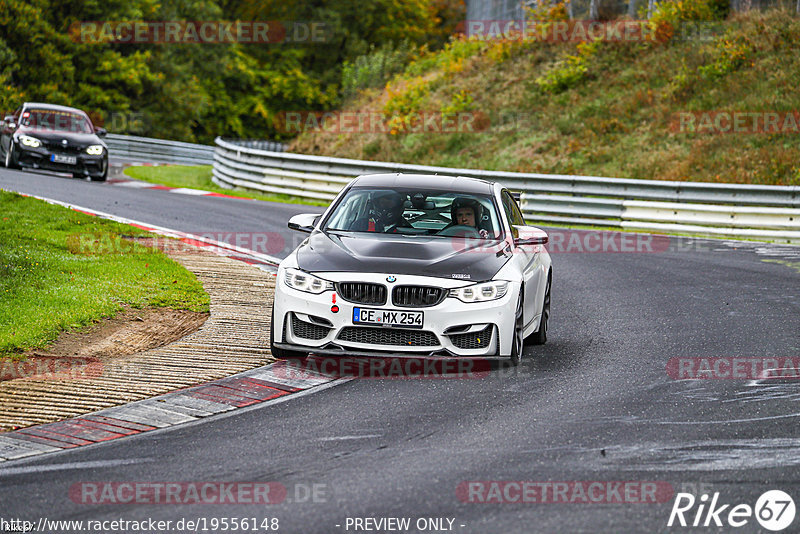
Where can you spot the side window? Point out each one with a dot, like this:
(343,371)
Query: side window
(512,210)
(15,120)
(509,211)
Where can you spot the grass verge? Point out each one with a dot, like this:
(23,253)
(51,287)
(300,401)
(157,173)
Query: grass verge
(62,270)
(199,177)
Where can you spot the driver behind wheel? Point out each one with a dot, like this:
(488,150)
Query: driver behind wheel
(385,215)
(467,212)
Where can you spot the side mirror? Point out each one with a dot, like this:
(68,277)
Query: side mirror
(304,222)
(529,235)
(9,122)
(101,132)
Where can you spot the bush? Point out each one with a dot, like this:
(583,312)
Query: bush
(729,55)
(453,54)
(375,68)
(689,10)
(569,72)
(403,103)
(668,17)
(460,101)
(548,13)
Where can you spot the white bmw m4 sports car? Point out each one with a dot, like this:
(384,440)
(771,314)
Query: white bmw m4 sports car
(414,265)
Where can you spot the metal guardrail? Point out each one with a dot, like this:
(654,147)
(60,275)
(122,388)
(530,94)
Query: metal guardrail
(261,144)
(149,150)
(757,211)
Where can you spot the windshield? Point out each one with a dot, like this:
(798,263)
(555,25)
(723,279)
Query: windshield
(416,212)
(60,121)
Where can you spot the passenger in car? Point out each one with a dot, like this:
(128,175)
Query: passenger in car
(467,212)
(465,215)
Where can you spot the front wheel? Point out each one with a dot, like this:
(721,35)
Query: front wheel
(540,336)
(103,175)
(517,341)
(11,160)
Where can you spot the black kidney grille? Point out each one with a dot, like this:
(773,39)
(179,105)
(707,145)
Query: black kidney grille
(388,336)
(473,340)
(417,296)
(58,147)
(362,292)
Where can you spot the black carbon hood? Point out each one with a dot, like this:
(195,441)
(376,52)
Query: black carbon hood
(468,259)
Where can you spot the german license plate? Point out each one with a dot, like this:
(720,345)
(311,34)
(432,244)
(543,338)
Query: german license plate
(58,158)
(408,319)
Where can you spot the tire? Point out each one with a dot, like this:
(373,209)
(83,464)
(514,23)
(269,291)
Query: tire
(104,176)
(277,351)
(540,336)
(11,161)
(517,342)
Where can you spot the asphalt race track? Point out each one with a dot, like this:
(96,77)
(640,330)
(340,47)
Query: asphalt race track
(596,403)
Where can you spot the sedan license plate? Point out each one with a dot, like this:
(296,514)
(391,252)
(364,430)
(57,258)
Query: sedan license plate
(58,158)
(408,319)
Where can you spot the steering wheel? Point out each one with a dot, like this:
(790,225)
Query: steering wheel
(460,230)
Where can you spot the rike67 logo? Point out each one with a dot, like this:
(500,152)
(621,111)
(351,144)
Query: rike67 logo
(774,511)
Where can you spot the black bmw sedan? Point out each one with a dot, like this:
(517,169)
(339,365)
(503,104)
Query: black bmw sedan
(54,138)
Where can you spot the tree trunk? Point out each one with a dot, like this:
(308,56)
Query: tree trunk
(651,6)
(593,14)
(632,8)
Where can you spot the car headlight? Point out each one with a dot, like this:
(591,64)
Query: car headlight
(301,281)
(480,292)
(94,150)
(32,142)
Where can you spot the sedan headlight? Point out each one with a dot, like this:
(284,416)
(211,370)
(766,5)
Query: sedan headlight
(301,281)
(32,142)
(481,292)
(94,150)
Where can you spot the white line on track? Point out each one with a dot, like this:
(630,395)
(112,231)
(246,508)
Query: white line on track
(342,438)
(71,465)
